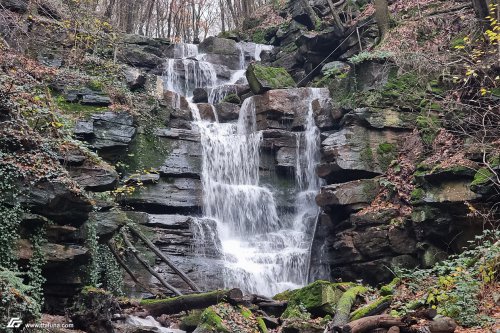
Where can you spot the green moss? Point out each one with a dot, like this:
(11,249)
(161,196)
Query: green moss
(284,296)
(417,194)
(232,98)
(388,289)
(212,321)
(386,148)
(365,56)
(273,77)
(262,325)
(77,109)
(296,311)
(191,321)
(367,309)
(168,300)
(259,36)
(482,176)
(366,156)
(245,312)
(429,125)
(345,302)
(318,297)
(95,85)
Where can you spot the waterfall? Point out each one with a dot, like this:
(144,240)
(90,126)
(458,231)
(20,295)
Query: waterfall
(263,251)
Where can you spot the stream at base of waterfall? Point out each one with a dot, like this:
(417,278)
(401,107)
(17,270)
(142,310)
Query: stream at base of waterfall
(263,252)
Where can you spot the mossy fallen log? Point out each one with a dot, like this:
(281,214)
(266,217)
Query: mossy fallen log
(373,308)
(343,309)
(157,307)
(388,289)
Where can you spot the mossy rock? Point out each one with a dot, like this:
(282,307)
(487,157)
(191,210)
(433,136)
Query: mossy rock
(262,78)
(191,321)
(232,98)
(225,318)
(319,298)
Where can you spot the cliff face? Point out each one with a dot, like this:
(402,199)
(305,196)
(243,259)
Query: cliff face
(108,145)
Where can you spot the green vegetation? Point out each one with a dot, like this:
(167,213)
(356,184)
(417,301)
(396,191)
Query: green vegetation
(454,286)
(16,299)
(365,56)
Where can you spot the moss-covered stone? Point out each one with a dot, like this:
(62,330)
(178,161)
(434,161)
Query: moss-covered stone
(232,98)
(222,318)
(262,78)
(211,321)
(318,298)
(191,321)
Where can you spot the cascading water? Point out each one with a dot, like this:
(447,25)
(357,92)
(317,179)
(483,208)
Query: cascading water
(263,252)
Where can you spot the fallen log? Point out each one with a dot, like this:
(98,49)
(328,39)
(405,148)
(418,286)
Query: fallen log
(158,307)
(343,309)
(120,261)
(367,324)
(164,258)
(146,265)
(374,308)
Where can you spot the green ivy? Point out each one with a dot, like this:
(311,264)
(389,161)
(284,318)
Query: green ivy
(103,271)
(11,214)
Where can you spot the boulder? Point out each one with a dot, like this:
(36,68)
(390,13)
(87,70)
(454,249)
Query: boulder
(207,111)
(302,12)
(318,298)
(288,108)
(86,96)
(221,51)
(219,46)
(135,78)
(106,224)
(381,118)
(138,56)
(55,254)
(354,193)
(56,201)
(200,95)
(95,177)
(335,67)
(356,152)
(262,78)
(227,111)
(109,130)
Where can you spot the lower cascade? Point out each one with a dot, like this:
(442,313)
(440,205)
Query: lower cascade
(264,250)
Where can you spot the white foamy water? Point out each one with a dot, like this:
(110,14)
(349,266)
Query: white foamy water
(262,252)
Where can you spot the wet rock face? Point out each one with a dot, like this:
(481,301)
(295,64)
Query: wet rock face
(107,131)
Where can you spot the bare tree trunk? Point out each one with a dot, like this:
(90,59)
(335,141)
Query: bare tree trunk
(222,16)
(481,8)
(382,16)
